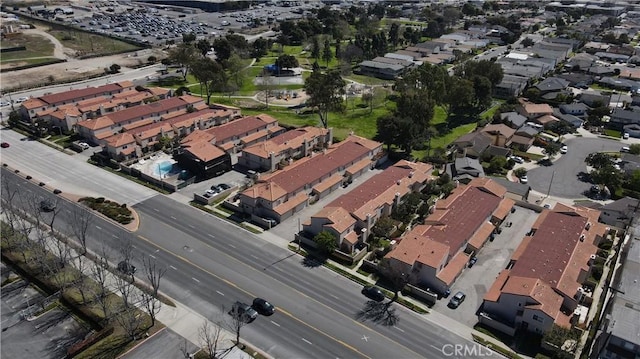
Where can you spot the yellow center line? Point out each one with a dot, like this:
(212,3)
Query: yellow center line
(348,346)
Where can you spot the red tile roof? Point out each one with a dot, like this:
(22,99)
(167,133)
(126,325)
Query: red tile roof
(414,247)
(267,190)
(120,139)
(454,222)
(452,270)
(97,123)
(154,108)
(310,170)
(240,127)
(203,150)
(73,95)
(339,219)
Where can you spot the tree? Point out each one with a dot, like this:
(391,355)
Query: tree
(326,92)
(204,46)
(115,68)
(552,148)
(634,149)
(383,227)
(598,160)
(188,37)
(520,172)
(211,76)
(327,55)
(81,221)
(236,73)
(287,61)
(315,48)
(210,339)
(527,42)
(223,49)
(558,337)
(260,47)
(185,55)
(267,85)
(153,275)
(496,164)
(326,241)
(394,34)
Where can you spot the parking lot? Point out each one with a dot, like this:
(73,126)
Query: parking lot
(47,336)
(492,258)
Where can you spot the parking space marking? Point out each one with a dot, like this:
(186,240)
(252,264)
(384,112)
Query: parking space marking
(306,341)
(400,329)
(152,256)
(99,228)
(219,292)
(195,279)
(172,267)
(274,323)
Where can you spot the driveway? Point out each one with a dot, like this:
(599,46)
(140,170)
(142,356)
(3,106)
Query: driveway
(561,178)
(492,258)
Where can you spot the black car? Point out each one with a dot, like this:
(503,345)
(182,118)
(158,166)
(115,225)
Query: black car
(47,205)
(244,312)
(457,299)
(373,293)
(223,186)
(263,307)
(126,268)
(472,261)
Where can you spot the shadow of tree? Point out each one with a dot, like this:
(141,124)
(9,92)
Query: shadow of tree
(379,313)
(313,261)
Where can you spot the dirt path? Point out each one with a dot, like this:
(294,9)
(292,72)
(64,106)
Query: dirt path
(59,51)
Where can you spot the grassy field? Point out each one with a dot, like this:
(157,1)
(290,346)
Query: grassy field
(91,44)
(37,46)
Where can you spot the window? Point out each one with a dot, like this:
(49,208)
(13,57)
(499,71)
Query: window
(538,319)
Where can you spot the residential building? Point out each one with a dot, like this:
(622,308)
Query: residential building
(464,169)
(472,144)
(620,336)
(533,110)
(500,133)
(551,84)
(594,99)
(513,119)
(543,283)
(620,212)
(201,157)
(434,254)
(288,146)
(351,216)
(524,137)
(621,118)
(233,136)
(576,108)
(284,192)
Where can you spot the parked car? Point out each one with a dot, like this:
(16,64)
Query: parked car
(244,312)
(563,149)
(472,261)
(224,186)
(456,300)
(625,136)
(4,144)
(22,99)
(4,103)
(47,205)
(84,145)
(524,179)
(625,149)
(373,293)
(263,307)
(126,268)
(517,159)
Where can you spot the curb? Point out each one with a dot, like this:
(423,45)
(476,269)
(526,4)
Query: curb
(142,342)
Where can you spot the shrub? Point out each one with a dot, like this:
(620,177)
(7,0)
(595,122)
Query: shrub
(596,272)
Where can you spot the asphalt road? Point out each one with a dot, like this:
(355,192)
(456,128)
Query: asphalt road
(212,264)
(562,175)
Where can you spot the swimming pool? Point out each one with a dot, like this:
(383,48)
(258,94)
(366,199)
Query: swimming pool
(163,168)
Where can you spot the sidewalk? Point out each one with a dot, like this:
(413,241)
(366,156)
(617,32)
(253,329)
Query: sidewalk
(180,318)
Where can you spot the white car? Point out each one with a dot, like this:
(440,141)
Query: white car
(5,104)
(524,179)
(563,149)
(625,136)
(22,99)
(517,159)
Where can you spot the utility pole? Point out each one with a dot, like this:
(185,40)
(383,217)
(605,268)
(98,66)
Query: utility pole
(550,183)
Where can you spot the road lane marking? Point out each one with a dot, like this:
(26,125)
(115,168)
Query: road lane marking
(306,341)
(232,246)
(402,330)
(155,209)
(195,279)
(254,257)
(152,256)
(334,296)
(99,228)
(192,227)
(435,347)
(219,292)
(114,236)
(365,338)
(172,217)
(274,323)
(211,235)
(172,267)
(280,310)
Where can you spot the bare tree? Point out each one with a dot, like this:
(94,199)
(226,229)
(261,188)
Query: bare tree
(131,320)
(153,274)
(234,323)
(210,339)
(8,208)
(99,272)
(267,86)
(81,221)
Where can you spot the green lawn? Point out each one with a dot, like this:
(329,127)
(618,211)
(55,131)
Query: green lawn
(366,80)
